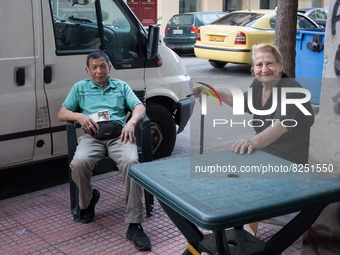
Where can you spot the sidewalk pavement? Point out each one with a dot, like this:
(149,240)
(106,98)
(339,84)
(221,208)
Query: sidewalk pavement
(41,223)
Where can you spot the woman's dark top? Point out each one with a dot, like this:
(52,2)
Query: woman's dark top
(294,145)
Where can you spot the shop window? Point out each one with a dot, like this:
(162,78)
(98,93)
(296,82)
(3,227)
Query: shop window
(190,6)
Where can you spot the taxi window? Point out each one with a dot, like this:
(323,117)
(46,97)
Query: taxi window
(238,19)
(302,22)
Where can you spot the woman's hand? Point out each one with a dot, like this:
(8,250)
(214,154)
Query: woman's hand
(197,92)
(243,145)
(224,96)
(261,140)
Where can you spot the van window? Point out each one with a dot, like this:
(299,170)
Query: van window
(121,32)
(76,29)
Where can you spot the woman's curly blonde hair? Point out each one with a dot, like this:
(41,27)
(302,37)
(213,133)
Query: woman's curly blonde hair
(265,47)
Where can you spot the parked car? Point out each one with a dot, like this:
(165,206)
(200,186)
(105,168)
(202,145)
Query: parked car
(230,38)
(319,15)
(181,30)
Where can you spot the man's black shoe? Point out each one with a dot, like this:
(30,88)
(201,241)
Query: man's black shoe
(87,215)
(136,234)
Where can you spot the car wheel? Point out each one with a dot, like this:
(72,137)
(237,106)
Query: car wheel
(163,130)
(217,64)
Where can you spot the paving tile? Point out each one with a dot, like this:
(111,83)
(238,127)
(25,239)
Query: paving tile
(36,208)
(19,241)
(6,222)
(101,241)
(59,229)
(44,225)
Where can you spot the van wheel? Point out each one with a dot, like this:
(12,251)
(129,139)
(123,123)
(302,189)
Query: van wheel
(217,64)
(163,130)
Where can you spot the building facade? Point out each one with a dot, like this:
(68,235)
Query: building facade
(232,5)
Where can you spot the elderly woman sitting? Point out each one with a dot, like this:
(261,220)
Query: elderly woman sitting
(289,141)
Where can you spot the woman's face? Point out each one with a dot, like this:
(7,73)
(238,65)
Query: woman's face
(266,68)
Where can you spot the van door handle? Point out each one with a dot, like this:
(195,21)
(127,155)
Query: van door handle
(20,76)
(48,74)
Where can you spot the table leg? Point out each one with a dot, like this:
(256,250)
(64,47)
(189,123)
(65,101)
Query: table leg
(276,245)
(222,247)
(293,230)
(194,236)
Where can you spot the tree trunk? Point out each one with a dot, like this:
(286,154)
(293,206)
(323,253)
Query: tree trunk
(285,33)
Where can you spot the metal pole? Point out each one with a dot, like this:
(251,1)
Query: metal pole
(203,101)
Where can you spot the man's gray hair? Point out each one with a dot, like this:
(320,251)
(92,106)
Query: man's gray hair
(97,54)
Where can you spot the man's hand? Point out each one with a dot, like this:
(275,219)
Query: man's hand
(89,125)
(128,133)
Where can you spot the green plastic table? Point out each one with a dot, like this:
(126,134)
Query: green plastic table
(223,202)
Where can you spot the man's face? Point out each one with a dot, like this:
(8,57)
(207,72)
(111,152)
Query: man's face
(98,70)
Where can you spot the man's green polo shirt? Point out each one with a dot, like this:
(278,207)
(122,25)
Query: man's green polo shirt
(88,98)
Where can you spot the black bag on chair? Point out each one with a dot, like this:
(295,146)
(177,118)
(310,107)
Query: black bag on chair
(109,129)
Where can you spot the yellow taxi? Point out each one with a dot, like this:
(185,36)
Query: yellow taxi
(230,38)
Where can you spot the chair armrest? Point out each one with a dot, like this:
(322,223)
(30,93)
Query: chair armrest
(71,139)
(143,137)
(143,130)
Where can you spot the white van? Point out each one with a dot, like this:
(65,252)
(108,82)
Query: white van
(43,49)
